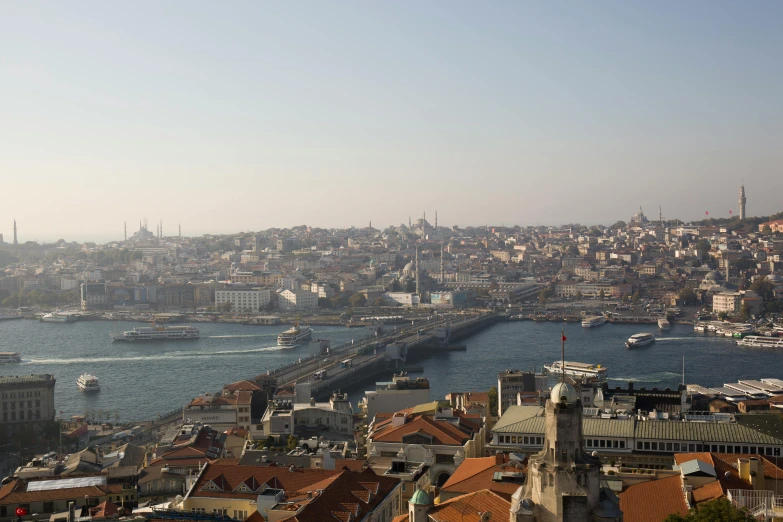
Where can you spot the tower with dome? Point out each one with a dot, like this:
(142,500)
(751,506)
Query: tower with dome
(563,482)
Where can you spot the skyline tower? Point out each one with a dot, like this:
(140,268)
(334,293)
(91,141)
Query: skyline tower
(742,201)
(15,241)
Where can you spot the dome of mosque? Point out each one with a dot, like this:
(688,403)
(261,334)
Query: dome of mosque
(420,498)
(564,390)
(713,276)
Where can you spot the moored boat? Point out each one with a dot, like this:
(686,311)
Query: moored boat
(592,322)
(664,324)
(640,339)
(760,341)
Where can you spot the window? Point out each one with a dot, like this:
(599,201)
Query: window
(646,445)
(622,444)
(526,440)
(714,448)
(655,446)
(668,446)
(602,443)
(538,440)
(638,445)
(722,448)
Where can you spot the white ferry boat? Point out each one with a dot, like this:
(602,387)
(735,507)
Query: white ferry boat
(761,341)
(88,383)
(640,339)
(592,322)
(664,323)
(577,369)
(56,317)
(295,336)
(698,327)
(158,333)
(10,357)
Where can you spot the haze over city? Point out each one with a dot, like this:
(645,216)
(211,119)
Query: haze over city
(255,115)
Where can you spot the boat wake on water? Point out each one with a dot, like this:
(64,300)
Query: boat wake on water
(161,357)
(652,378)
(250,336)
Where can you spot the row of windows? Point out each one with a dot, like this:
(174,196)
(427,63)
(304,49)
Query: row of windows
(715,448)
(21,395)
(519,439)
(21,404)
(21,415)
(604,443)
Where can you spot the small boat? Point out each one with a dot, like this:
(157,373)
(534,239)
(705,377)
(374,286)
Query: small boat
(640,339)
(664,324)
(699,328)
(295,336)
(10,357)
(592,322)
(88,383)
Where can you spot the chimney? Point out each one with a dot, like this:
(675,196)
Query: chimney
(757,478)
(500,457)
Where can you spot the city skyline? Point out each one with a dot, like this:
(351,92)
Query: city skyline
(332,116)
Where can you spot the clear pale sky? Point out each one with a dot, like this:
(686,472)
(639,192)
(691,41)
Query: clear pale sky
(231,116)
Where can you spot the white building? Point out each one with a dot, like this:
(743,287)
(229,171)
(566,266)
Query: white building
(27,401)
(297,300)
(283,417)
(403,298)
(243,299)
(399,394)
(513,382)
(728,302)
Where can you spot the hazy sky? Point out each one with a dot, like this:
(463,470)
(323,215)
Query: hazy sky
(229,116)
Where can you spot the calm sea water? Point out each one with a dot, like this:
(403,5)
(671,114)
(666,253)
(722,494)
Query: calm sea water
(143,380)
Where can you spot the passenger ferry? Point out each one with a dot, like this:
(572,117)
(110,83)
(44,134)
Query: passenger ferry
(56,317)
(592,322)
(10,357)
(157,333)
(295,336)
(664,324)
(640,339)
(88,383)
(577,369)
(761,341)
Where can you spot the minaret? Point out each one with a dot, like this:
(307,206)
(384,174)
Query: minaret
(410,223)
(180,229)
(442,280)
(15,240)
(436,219)
(161,229)
(139,225)
(125,227)
(417,269)
(742,201)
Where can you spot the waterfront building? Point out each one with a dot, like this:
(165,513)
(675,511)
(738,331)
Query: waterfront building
(441,440)
(230,409)
(93,296)
(242,299)
(513,382)
(401,298)
(295,300)
(27,401)
(388,397)
(728,302)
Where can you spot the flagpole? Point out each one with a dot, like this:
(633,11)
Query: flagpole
(562,353)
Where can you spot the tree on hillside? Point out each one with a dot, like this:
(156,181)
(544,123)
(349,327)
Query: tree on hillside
(619,225)
(744,312)
(324,302)
(492,393)
(636,297)
(719,510)
(687,296)
(766,230)
(357,300)
(544,295)
(378,301)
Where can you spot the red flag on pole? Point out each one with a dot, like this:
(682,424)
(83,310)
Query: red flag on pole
(708,213)
(564,337)
(731,212)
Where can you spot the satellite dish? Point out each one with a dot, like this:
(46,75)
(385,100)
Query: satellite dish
(727,475)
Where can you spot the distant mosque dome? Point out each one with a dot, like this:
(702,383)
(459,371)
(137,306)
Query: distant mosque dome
(712,275)
(409,268)
(563,390)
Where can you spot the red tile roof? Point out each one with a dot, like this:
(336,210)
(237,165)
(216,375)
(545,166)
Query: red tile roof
(241,386)
(476,474)
(441,431)
(653,501)
(467,508)
(231,476)
(350,496)
(15,492)
(105,509)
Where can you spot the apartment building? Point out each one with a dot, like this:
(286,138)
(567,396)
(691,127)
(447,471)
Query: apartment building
(242,299)
(27,401)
